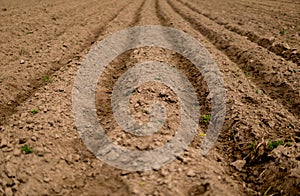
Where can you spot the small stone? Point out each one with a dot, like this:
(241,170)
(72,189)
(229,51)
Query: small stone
(22,177)
(238,165)
(10,169)
(46,179)
(39,151)
(294,51)
(190,173)
(76,157)
(124,173)
(3,143)
(22,61)
(56,189)
(163,172)
(22,140)
(135,191)
(17,152)
(8,191)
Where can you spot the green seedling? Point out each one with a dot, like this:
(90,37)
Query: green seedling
(206,118)
(130,92)
(26,149)
(161,121)
(257,91)
(247,74)
(202,135)
(275,144)
(47,79)
(266,192)
(282,32)
(22,52)
(251,145)
(142,183)
(34,111)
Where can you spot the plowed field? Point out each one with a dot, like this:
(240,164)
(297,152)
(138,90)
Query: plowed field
(255,45)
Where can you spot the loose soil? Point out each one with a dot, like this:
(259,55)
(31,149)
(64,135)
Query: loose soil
(255,45)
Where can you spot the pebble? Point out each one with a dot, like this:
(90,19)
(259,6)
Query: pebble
(8,191)
(10,169)
(190,173)
(3,143)
(238,165)
(39,151)
(170,186)
(22,61)
(56,189)
(46,179)
(17,152)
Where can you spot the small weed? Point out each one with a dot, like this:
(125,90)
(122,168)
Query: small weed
(34,111)
(247,74)
(256,91)
(142,183)
(282,32)
(130,92)
(202,135)
(22,52)
(266,192)
(157,78)
(275,144)
(206,118)
(47,79)
(289,144)
(26,149)
(161,121)
(251,145)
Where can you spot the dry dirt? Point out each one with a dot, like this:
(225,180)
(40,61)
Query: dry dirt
(255,45)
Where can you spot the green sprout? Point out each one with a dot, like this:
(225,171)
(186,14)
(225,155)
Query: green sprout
(22,52)
(202,134)
(275,144)
(26,149)
(251,145)
(34,111)
(266,192)
(206,118)
(142,183)
(130,92)
(282,32)
(47,79)
(247,74)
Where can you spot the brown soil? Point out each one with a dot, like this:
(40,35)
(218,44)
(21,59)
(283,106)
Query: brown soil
(255,45)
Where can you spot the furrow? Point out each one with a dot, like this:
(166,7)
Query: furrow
(8,108)
(270,44)
(277,78)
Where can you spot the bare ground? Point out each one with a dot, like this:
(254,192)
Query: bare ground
(254,43)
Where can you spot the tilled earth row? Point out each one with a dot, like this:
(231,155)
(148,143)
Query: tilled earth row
(255,45)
